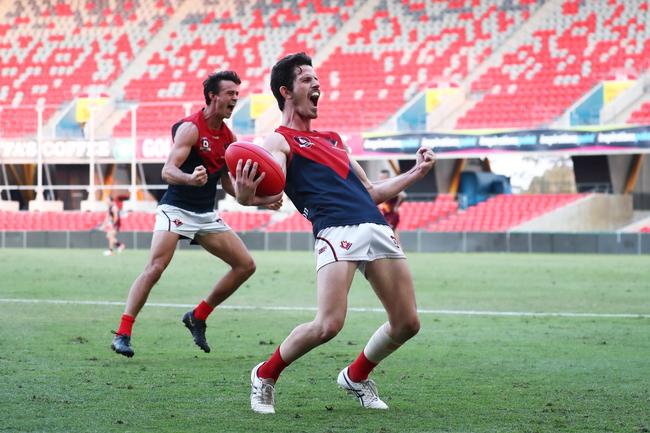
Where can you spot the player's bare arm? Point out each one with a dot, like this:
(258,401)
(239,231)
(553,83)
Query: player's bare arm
(278,147)
(185,137)
(389,188)
(244,181)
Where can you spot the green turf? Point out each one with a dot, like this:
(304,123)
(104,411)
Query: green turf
(460,374)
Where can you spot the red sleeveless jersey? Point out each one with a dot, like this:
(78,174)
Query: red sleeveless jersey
(208,151)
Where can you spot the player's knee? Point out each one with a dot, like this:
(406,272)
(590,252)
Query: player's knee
(407,328)
(328,329)
(246,268)
(154,270)
(411,327)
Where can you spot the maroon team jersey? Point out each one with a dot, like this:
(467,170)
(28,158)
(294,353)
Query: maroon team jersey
(322,184)
(209,151)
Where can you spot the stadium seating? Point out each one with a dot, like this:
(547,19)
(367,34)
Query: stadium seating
(295,222)
(502,212)
(641,116)
(418,214)
(238,221)
(393,54)
(208,39)
(51,221)
(246,221)
(645,229)
(53,52)
(573,49)
(132,221)
(413,215)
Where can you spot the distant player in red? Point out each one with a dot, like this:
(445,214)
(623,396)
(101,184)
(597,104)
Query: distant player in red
(187,210)
(390,208)
(112,228)
(335,195)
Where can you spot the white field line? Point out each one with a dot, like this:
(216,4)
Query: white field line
(354,309)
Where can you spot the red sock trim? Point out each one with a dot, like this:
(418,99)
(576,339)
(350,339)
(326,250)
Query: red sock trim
(272,368)
(202,311)
(126,325)
(360,368)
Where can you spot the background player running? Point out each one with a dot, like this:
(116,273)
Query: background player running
(193,169)
(112,228)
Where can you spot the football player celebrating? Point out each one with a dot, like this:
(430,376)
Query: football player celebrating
(335,195)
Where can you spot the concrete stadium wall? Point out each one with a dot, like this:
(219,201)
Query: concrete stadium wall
(414,241)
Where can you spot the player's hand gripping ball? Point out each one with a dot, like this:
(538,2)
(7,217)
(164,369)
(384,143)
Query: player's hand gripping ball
(273,182)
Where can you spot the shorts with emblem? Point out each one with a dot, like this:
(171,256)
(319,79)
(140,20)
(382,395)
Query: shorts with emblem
(361,243)
(186,223)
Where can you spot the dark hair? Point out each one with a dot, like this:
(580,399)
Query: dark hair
(284,73)
(212,83)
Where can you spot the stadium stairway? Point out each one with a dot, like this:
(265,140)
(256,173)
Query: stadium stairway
(135,68)
(640,223)
(246,39)
(495,60)
(390,57)
(54,52)
(620,110)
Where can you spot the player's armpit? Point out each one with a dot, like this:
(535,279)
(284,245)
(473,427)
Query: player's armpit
(278,147)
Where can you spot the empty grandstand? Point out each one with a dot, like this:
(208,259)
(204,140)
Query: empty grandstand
(90,89)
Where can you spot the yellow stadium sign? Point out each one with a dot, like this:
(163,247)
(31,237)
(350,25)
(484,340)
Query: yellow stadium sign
(435,97)
(82,111)
(611,89)
(260,103)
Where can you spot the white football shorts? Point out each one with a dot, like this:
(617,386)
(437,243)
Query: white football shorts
(186,223)
(361,243)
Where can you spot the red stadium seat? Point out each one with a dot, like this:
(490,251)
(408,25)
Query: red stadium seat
(293,223)
(202,44)
(502,212)
(572,50)
(55,63)
(641,116)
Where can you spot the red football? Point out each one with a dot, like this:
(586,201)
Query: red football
(274,180)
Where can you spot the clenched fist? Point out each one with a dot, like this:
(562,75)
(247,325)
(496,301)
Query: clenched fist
(199,177)
(424,160)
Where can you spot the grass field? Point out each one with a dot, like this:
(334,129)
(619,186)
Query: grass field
(462,373)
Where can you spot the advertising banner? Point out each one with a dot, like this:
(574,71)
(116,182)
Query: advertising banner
(594,140)
(468,144)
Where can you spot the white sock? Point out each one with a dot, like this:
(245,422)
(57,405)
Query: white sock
(380,345)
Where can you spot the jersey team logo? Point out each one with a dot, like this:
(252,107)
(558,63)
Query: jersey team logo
(177,222)
(205,144)
(346,245)
(395,241)
(303,141)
